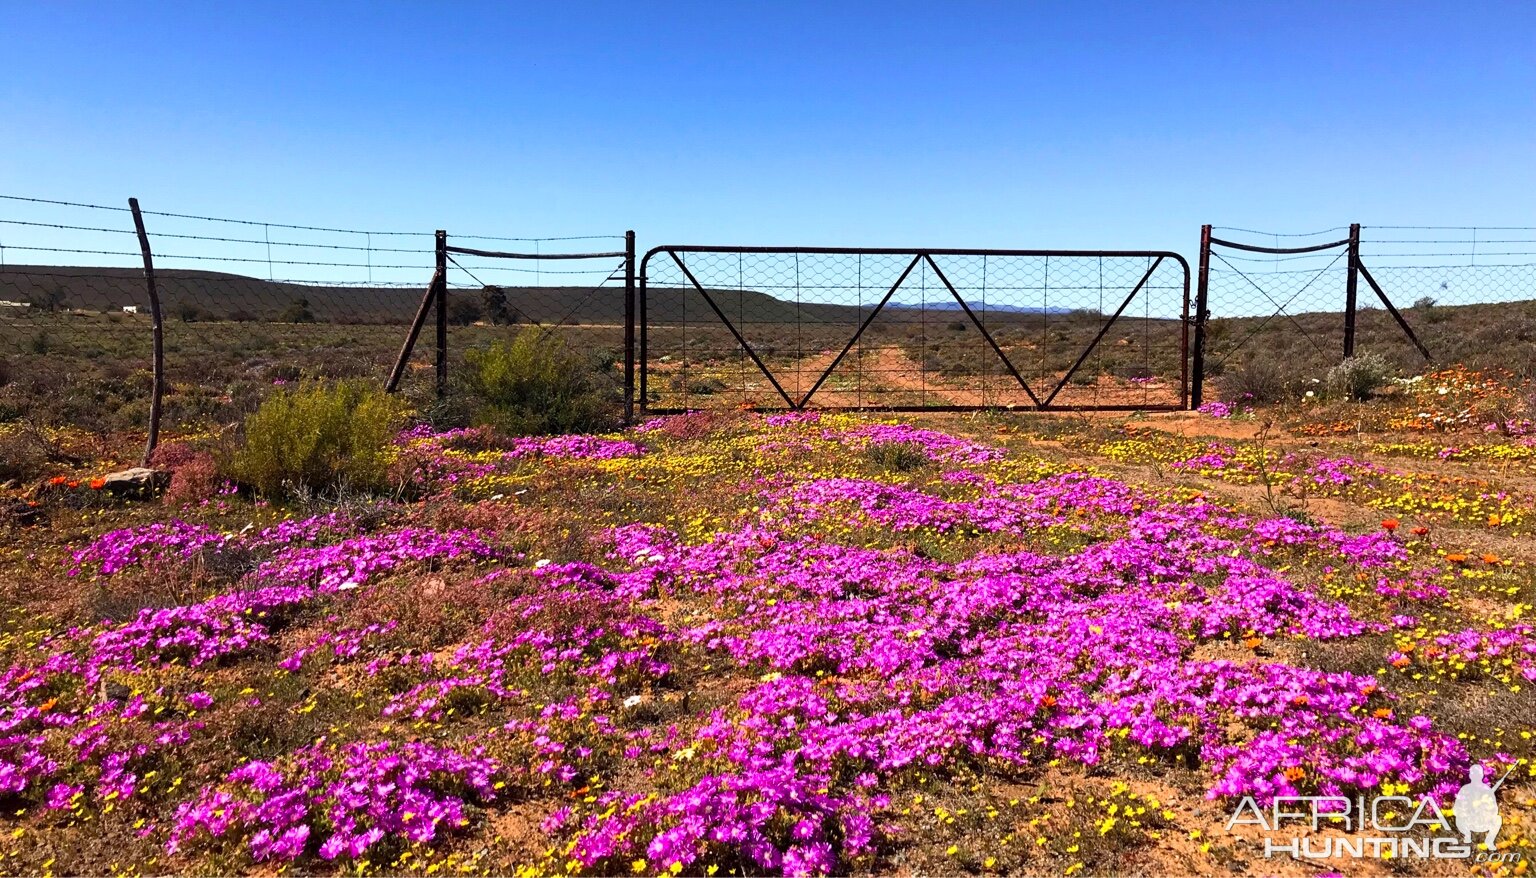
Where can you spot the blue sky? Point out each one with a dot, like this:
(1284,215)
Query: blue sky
(1072,124)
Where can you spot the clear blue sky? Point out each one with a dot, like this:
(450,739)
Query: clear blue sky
(1070,124)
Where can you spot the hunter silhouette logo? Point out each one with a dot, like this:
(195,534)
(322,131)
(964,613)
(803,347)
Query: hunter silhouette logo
(1384,826)
(1477,810)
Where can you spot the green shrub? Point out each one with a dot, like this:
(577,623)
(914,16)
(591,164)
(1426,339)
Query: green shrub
(1357,377)
(902,457)
(318,436)
(537,384)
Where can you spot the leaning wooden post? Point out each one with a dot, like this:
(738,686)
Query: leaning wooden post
(433,290)
(157,322)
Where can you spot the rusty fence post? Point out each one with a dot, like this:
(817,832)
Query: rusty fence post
(442,313)
(1202,313)
(434,289)
(629,328)
(1351,287)
(157,321)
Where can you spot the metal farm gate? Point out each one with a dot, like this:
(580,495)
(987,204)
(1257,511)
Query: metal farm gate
(793,328)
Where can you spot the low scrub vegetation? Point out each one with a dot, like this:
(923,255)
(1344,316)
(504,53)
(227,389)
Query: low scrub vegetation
(318,436)
(537,384)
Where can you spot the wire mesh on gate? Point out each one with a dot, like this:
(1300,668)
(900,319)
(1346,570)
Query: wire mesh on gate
(911,329)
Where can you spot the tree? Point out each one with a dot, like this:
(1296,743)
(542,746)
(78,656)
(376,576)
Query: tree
(462,311)
(493,300)
(298,312)
(48,300)
(190,312)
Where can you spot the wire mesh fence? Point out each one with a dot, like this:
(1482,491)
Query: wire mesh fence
(1299,304)
(909,329)
(1285,305)
(248,306)
(251,305)
(1468,293)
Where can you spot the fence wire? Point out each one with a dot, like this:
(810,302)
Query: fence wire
(1462,295)
(248,305)
(1469,293)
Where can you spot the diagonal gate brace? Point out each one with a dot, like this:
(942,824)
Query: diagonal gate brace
(859,332)
(732,327)
(1103,330)
(985,334)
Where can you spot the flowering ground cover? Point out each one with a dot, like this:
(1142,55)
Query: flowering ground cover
(799,644)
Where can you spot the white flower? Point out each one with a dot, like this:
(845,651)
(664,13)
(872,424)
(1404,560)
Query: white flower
(542,562)
(632,701)
(1311,393)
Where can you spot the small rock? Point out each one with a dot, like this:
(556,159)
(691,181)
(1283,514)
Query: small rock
(115,692)
(138,481)
(22,512)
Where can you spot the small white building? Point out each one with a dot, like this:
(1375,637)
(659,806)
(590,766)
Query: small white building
(130,309)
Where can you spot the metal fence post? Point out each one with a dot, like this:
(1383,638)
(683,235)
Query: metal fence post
(640,361)
(157,321)
(1202,313)
(442,313)
(629,327)
(1351,287)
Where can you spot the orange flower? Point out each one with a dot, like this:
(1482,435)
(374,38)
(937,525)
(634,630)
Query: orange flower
(1368,689)
(73,484)
(1390,524)
(1401,662)
(98,483)
(47,705)
(1490,558)
(1456,557)
(1494,520)
(1253,641)
(1048,701)
(1301,701)
(1382,713)
(57,480)
(1420,531)
(1294,773)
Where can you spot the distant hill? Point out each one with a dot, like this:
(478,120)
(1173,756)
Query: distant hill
(212,295)
(949,304)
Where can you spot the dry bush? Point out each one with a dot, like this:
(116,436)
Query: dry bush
(1357,378)
(697,425)
(1261,379)
(23,455)
(194,473)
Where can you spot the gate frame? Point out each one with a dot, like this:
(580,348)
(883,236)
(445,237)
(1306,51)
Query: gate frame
(918,254)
